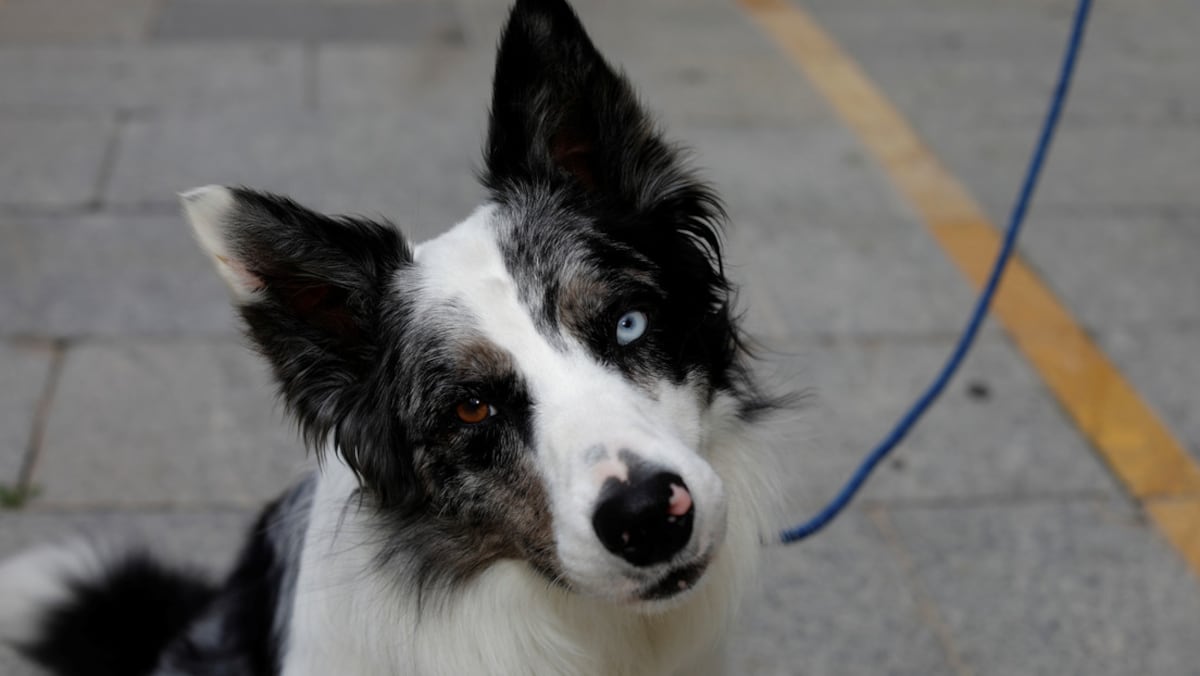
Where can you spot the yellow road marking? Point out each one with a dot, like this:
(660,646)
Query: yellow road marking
(1138,447)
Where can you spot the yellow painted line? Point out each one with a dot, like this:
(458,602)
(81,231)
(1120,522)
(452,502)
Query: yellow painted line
(1179,520)
(1134,442)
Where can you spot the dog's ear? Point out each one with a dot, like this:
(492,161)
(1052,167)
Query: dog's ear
(311,290)
(561,114)
(563,119)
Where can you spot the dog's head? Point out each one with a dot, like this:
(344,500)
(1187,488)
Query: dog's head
(540,382)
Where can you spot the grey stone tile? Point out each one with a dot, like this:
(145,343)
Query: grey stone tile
(52,162)
(1010,441)
(108,275)
(817,232)
(175,77)
(174,423)
(837,604)
(933,29)
(781,177)
(1054,588)
(824,279)
(970,91)
(413,167)
(430,79)
(346,22)
(1002,30)
(1117,269)
(24,369)
(1100,166)
(69,21)
(1162,364)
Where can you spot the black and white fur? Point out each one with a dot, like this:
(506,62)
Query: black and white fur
(428,545)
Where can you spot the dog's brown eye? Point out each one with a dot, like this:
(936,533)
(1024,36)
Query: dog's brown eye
(474,411)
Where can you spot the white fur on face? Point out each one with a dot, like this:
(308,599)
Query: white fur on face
(586,413)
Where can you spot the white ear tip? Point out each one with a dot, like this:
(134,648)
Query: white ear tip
(198,194)
(209,198)
(206,207)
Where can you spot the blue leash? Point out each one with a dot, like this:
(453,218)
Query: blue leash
(1016,218)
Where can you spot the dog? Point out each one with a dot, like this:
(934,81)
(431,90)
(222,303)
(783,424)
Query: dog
(541,443)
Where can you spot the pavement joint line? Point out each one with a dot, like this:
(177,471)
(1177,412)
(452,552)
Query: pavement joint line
(1139,449)
(41,417)
(108,161)
(926,607)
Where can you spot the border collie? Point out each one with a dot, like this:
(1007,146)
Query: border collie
(539,433)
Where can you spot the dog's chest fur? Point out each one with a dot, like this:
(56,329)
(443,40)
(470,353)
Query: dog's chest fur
(349,617)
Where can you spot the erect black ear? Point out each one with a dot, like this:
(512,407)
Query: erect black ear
(311,290)
(562,118)
(560,114)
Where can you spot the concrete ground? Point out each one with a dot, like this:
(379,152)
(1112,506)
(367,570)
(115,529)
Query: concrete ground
(996,543)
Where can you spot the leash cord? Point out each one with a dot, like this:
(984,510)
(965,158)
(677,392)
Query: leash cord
(1016,218)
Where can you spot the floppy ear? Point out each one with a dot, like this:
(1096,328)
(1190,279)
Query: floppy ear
(311,290)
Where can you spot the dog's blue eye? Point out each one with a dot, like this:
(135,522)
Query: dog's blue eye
(630,327)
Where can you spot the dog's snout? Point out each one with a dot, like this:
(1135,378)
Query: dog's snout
(645,521)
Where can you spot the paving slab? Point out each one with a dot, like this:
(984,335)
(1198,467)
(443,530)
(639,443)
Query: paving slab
(1119,269)
(414,167)
(821,279)
(52,162)
(74,21)
(1121,168)
(429,78)
(931,30)
(995,433)
(835,605)
(817,231)
(970,90)
(413,20)
(1162,364)
(108,276)
(1002,30)
(785,178)
(139,77)
(180,423)
(1055,588)
(24,368)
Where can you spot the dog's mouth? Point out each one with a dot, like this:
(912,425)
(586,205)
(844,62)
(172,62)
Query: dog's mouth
(675,582)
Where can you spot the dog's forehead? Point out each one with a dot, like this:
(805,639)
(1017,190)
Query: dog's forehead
(462,262)
(468,268)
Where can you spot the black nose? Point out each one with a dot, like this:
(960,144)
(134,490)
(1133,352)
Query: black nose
(646,521)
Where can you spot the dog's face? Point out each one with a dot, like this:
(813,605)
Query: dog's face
(539,382)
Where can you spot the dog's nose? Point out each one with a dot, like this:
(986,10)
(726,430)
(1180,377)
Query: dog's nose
(646,521)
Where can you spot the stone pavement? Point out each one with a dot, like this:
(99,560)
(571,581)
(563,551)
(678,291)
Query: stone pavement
(995,544)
